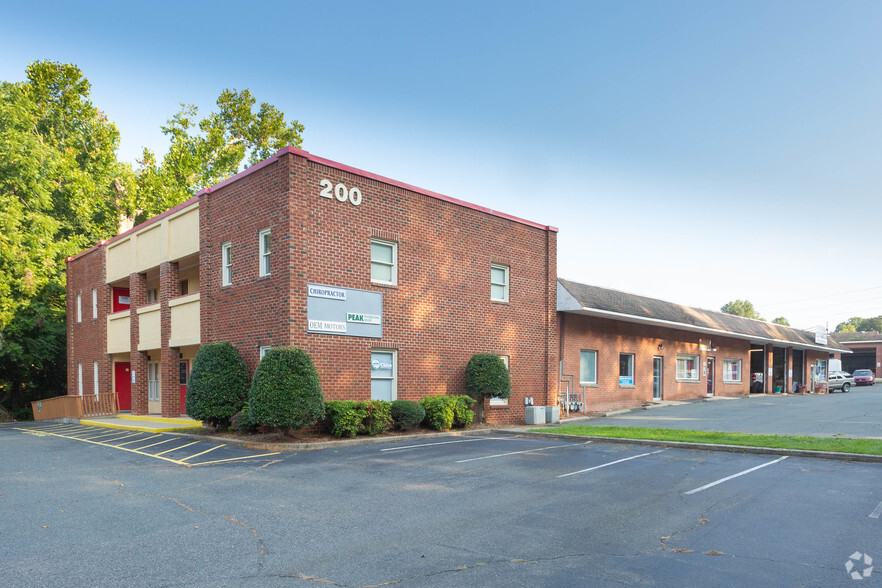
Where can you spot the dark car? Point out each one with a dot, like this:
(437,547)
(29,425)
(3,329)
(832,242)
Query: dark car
(864,377)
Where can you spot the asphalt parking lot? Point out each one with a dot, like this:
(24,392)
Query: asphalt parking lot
(488,510)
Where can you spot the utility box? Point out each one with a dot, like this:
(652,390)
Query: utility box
(535,415)
(552,414)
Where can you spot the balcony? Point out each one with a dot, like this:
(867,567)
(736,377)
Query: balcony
(118,332)
(149,327)
(185,327)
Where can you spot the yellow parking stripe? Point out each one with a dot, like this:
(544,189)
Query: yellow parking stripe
(159,443)
(174,461)
(175,449)
(118,438)
(204,452)
(136,440)
(233,459)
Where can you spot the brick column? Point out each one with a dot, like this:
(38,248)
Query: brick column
(768,386)
(170,387)
(138,359)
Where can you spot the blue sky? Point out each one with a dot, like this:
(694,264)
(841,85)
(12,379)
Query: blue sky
(696,152)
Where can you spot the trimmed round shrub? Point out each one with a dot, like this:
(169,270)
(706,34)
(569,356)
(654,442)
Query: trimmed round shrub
(407,414)
(378,417)
(486,377)
(218,386)
(439,411)
(345,417)
(286,391)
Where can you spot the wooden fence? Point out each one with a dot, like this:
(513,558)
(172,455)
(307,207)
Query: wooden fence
(77,407)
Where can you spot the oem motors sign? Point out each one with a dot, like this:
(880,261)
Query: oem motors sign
(331,310)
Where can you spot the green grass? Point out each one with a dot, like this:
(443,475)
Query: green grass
(840,444)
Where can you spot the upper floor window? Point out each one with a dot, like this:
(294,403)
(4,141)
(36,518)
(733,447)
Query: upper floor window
(499,282)
(227,264)
(384,262)
(94,303)
(79,308)
(152,295)
(184,287)
(264,242)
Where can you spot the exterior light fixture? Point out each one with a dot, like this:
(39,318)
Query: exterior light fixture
(661,346)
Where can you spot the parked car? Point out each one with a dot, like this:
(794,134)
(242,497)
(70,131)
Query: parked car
(864,377)
(840,381)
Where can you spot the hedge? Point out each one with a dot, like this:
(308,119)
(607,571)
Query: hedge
(444,412)
(407,414)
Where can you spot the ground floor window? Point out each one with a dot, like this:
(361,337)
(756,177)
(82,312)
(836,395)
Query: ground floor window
(732,371)
(587,367)
(264,349)
(95,377)
(384,375)
(687,368)
(501,401)
(80,379)
(153,381)
(626,369)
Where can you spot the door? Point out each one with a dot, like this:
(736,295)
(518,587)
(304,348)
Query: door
(710,376)
(656,378)
(122,371)
(154,404)
(184,380)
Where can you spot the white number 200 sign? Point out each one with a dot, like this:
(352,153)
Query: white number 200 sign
(340,192)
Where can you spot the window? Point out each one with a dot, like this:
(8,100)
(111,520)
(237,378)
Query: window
(94,303)
(626,369)
(687,368)
(587,367)
(80,379)
(95,377)
(501,401)
(499,283)
(152,295)
(384,262)
(264,349)
(153,381)
(732,370)
(184,287)
(79,308)
(264,241)
(227,264)
(384,370)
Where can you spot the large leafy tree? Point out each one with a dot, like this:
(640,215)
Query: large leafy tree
(742,308)
(781,321)
(858,324)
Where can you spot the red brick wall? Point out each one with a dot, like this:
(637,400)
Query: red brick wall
(611,337)
(438,315)
(87,340)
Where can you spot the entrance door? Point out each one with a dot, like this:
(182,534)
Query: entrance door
(154,404)
(710,376)
(184,380)
(656,378)
(122,371)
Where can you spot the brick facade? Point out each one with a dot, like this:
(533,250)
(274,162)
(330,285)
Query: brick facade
(87,338)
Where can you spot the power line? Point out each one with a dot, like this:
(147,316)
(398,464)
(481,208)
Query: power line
(823,296)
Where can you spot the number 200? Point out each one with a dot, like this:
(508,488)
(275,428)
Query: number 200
(340,192)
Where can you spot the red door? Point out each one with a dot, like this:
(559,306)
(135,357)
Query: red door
(123,373)
(184,378)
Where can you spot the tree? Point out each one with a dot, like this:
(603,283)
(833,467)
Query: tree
(486,377)
(741,308)
(219,384)
(781,321)
(859,324)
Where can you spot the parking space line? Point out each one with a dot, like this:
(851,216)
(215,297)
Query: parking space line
(106,434)
(204,452)
(154,444)
(727,478)
(519,452)
(434,444)
(126,436)
(139,452)
(875,514)
(603,465)
(174,449)
(231,459)
(137,440)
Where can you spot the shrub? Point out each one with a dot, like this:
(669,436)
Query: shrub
(286,391)
(218,385)
(462,410)
(407,413)
(486,377)
(439,411)
(242,422)
(345,417)
(378,417)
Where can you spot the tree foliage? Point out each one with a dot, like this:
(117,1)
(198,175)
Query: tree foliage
(218,385)
(486,377)
(781,321)
(286,391)
(857,324)
(741,308)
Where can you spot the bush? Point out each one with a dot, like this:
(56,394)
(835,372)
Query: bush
(443,412)
(286,391)
(242,422)
(378,417)
(218,385)
(486,377)
(345,417)
(406,414)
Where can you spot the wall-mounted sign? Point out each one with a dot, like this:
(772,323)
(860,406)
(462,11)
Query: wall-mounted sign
(124,300)
(381,364)
(704,344)
(133,376)
(344,311)
(626,380)
(821,337)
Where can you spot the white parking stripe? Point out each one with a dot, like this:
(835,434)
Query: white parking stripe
(727,478)
(875,514)
(519,452)
(432,444)
(610,463)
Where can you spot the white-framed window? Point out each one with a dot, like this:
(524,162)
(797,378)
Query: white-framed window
(384,374)
(227,264)
(94,303)
(588,367)
(498,282)
(152,295)
(501,401)
(95,377)
(153,381)
(626,369)
(184,287)
(264,238)
(687,368)
(384,262)
(80,379)
(264,349)
(79,308)
(732,371)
